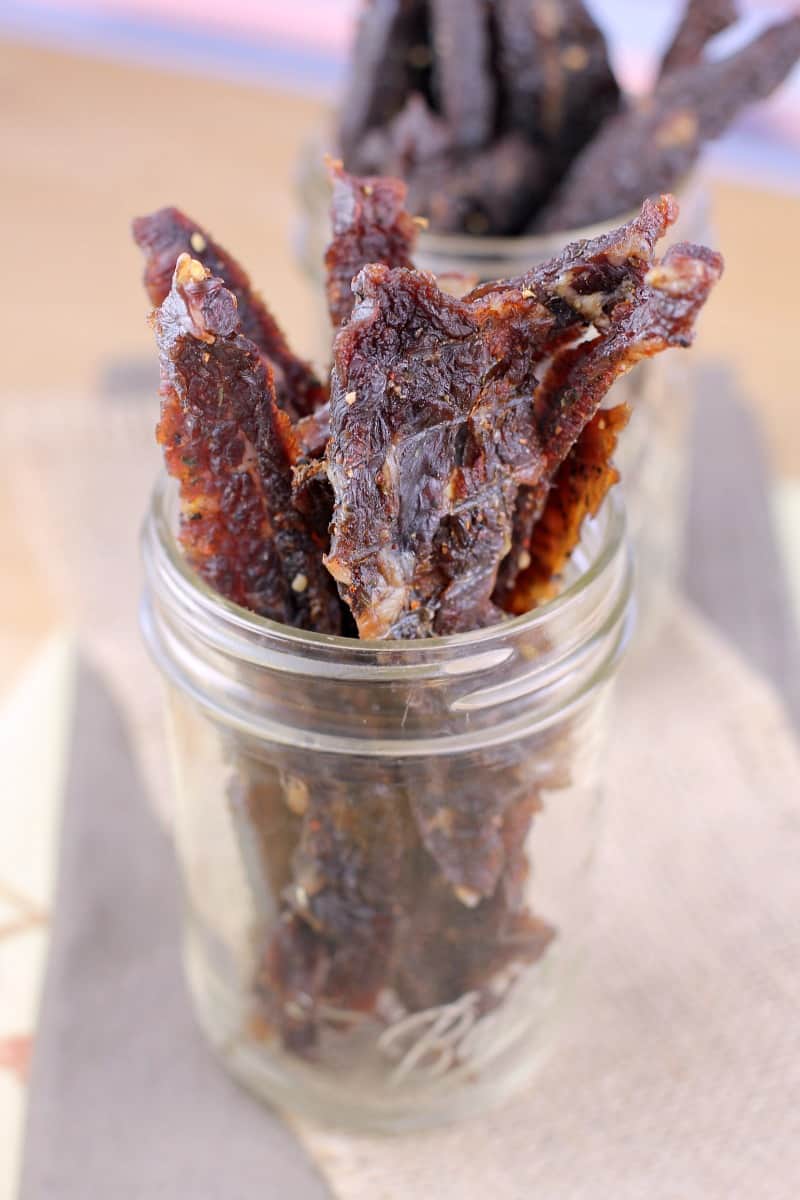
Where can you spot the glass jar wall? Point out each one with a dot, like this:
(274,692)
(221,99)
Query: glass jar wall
(385,846)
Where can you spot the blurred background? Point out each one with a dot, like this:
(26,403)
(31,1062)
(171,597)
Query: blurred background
(111,109)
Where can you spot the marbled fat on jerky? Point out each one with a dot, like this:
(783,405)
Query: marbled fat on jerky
(437,419)
(165,235)
(370,224)
(652,146)
(231,448)
(701,21)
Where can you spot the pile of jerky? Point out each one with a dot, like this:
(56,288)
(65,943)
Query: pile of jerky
(443,480)
(505,116)
(439,484)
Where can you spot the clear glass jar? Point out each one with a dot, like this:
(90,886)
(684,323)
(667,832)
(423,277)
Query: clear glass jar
(654,452)
(385,846)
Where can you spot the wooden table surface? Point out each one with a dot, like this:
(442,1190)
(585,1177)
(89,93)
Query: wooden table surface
(86,144)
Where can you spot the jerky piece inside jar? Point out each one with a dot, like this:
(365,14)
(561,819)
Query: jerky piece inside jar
(350,880)
(165,235)
(231,448)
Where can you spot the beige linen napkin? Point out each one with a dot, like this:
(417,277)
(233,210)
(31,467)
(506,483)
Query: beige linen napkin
(676,1072)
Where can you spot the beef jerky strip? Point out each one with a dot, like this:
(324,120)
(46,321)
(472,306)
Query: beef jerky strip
(370,224)
(168,233)
(462,74)
(231,448)
(490,192)
(558,83)
(701,21)
(350,882)
(434,428)
(448,949)
(653,145)
(391,56)
(415,135)
(467,825)
(675,291)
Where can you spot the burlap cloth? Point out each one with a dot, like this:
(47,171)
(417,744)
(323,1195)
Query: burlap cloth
(674,1075)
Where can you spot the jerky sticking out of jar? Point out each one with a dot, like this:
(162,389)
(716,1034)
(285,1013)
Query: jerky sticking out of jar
(442,409)
(165,235)
(663,316)
(462,79)
(702,20)
(370,224)
(231,448)
(391,57)
(556,76)
(653,145)
(581,484)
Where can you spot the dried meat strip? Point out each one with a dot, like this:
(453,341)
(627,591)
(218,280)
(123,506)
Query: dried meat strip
(370,224)
(491,191)
(232,450)
(474,831)
(449,949)
(675,291)
(652,146)
(701,21)
(350,882)
(165,235)
(462,70)
(581,484)
(437,420)
(391,57)
(557,80)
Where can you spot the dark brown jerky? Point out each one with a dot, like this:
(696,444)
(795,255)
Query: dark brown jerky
(391,57)
(462,74)
(437,419)
(701,21)
(491,191)
(416,135)
(350,882)
(558,84)
(448,949)
(652,146)
(471,824)
(370,224)
(168,233)
(231,448)
(675,290)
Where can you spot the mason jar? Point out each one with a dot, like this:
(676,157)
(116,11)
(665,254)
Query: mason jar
(385,846)
(654,453)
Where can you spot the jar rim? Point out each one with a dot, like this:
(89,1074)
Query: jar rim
(159,539)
